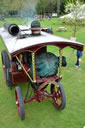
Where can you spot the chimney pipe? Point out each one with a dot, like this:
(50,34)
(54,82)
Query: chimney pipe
(13,29)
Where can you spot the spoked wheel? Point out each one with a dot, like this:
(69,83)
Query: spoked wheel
(59,98)
(6,68)
(20,103)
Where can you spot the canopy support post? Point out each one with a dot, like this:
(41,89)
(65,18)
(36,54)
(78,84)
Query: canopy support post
(33,63)
(60,61)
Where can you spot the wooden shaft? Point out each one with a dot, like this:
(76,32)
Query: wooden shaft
(24,68)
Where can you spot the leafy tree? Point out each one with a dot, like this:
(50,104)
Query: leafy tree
(44,6)
(7,6)
(15,5)
(58,6)
(2,6)
(49,6)
(40,7)
(76,11)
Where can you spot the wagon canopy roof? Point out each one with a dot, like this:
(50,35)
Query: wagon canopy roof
(31,42)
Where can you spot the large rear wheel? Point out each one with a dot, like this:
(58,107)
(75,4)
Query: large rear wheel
(6,68)
(59,98)
(20,103)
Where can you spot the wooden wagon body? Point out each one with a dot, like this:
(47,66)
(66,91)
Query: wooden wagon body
(16,67)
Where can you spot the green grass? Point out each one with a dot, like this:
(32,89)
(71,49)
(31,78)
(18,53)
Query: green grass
(45,115)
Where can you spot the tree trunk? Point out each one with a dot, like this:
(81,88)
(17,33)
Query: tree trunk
(75,30)
(58,7)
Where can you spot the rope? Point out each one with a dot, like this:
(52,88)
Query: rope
(70,57)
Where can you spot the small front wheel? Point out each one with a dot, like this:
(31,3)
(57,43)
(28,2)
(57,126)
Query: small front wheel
(20,103)
(59,98)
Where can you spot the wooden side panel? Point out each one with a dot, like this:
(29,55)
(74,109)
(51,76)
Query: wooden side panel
(19,77)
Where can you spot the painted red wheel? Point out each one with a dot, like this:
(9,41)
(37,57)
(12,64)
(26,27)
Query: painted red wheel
(6,68)
(59,98)
(20,103)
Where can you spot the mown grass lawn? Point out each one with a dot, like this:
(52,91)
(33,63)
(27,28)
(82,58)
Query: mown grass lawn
(45,115)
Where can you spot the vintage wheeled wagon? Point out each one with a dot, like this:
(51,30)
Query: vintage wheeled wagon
(26,59)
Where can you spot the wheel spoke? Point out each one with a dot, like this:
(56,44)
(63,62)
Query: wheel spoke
(58,94)
(58,100)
